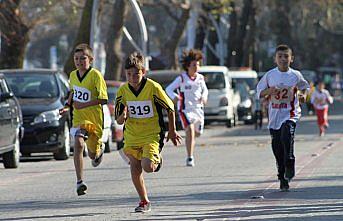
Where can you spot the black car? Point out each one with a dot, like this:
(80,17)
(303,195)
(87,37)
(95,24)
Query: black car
(41,93)
(164,78)
(245,108)
(11,130)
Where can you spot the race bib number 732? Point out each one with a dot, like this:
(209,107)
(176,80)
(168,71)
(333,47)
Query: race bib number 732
(140,109)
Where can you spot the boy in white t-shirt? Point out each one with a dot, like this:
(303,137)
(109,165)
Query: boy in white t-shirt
(283,85)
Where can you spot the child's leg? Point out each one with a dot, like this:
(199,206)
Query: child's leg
(278,151)
(287,138)
(190,140)
(78,156)
(137,177)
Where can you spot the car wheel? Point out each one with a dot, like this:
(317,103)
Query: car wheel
(64,152)
(11,159)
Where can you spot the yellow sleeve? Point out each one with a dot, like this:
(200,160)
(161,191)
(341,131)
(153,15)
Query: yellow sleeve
(120,103)
(162,98)
(100,85)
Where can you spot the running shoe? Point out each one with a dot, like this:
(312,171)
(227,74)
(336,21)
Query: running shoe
(190,162)
(96,162)
(159,165)
(284,186)
(143,207)
(289,173)
(81,188)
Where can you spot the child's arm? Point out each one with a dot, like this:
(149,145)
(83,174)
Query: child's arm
(302,96)
(172,87)
(67,105)
(172,134)
(79,105)
(122,117)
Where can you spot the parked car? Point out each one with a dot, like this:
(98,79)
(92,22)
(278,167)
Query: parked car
(222,100)
(11,130)
(107,131)
(117,134)
(41,93)
(244,82)
(164,78)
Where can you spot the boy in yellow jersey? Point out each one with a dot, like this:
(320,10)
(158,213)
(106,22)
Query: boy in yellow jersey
(139,104)
(88,94)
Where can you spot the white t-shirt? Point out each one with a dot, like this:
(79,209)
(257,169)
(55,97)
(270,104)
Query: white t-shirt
(189,91)
(321,99)
(285,105)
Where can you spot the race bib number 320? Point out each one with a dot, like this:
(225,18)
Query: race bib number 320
(81,94)
(140,109)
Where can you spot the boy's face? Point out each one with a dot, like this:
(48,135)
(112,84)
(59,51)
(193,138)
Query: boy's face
(82,61)
(193,67)
(321,86)
(283,59)
(134,76)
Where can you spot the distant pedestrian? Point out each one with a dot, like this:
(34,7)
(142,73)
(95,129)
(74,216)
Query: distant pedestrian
(286,88)
(321,99)
(190,92)
(88,94)
(139,105)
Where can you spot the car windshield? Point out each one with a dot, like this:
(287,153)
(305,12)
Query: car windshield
(251,82)
(112,92)
(32,85)
(214,80)
(163,80)
(243,90)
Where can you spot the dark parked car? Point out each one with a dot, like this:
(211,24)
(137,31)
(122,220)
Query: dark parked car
(41,93)
(11,130)
(164,78)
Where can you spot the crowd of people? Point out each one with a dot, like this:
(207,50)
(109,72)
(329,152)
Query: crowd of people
(140,101)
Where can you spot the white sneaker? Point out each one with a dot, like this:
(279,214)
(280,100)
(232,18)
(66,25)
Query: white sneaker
(190,162)
(96,162)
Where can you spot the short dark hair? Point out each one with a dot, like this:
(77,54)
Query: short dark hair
(85,48)
(283,47)
(189,56)
(135,60)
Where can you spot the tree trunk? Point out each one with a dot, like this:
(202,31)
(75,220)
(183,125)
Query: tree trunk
(200,33)
(281,26)
(169,50)
(232,36)
(249,42)
(244,20)
(114,55)
(83,35)
(14,35)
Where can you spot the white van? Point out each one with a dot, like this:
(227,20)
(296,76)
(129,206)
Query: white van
(222,100)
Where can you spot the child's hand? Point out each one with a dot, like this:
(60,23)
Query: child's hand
(302,98)
(273,91)
(63,110)
(121,119)
(174,137)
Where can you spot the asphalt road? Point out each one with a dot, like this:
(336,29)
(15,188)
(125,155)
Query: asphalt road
(234,179)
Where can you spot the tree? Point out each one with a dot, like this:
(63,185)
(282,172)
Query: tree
(83,34)
(114,53)
(17,19)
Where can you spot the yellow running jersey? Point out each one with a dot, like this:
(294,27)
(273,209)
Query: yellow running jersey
(90,86)
(144,121)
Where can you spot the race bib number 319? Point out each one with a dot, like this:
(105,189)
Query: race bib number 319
(140,109)
(81,94)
